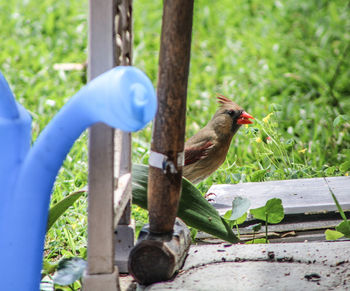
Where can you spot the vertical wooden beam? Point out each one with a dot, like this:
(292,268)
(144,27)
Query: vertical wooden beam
(160,251)
(124,232)
(169,126)
(123,57)
(101,157)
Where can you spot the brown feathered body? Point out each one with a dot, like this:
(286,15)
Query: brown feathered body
(207,149)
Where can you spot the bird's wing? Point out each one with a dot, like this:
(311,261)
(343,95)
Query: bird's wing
(196,153)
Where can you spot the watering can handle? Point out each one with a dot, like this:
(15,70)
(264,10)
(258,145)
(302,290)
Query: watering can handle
(123,98)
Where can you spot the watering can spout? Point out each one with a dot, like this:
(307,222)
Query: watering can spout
(15,133)
(8,106)
(122,98)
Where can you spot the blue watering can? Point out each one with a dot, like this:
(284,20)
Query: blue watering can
(122,98)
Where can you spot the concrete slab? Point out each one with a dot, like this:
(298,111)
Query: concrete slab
(292,266)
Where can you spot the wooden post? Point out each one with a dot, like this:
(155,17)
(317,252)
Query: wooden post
(101,271)
(164,186)
(124,231)
(160,253)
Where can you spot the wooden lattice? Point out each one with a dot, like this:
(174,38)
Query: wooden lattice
(123,28)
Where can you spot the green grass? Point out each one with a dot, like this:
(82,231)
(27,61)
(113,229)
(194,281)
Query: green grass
(287,57)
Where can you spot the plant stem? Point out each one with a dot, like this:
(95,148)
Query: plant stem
(266,230)
(238,234)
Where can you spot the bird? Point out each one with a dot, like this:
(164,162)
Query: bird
(207,149)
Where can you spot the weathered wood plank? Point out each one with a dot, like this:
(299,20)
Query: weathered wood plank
(101,149)
(296,223)
(122,196)
(101,37)
(124,231)
(298,196)
(339,185)
(124,241)
(108,282)
(122,162)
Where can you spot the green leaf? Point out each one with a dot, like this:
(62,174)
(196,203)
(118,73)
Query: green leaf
(240,205)
(333,234)
(49,267)
(272,211)
(344,166)
(257,241)
(194,233)
(275,210)
(60,207)
(69,270)
(194,209)
(241,219)
(238,221)
(227,214)
(344,228)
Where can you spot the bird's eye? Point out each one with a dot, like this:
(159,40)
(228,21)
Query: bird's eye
(231,112)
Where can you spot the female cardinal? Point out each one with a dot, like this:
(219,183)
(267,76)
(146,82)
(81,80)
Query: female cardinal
(207,149)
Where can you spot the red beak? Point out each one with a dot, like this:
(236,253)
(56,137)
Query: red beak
(244,118)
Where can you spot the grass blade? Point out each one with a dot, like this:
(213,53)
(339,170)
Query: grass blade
(60,207)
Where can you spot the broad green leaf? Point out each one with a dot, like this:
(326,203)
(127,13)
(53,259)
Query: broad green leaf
(272,211)
(194,209)
(69,270)
(275,210)
(333,234)
(227,214)
(344,228)
(240,205)
(60,207)
(259,213)
(238,221)
(241,219)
